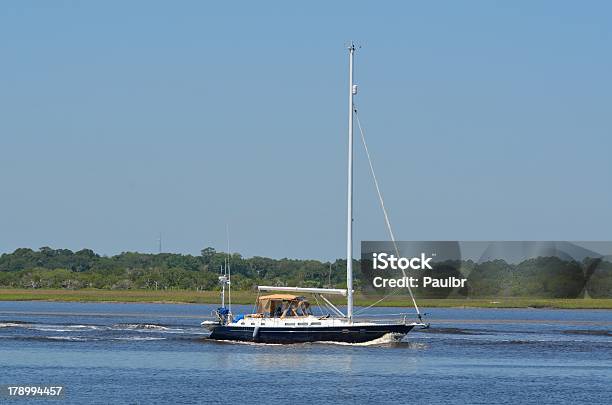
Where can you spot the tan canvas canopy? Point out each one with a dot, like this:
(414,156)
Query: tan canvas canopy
(284,297)
(282,305)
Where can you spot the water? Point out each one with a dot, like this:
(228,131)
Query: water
(157,353)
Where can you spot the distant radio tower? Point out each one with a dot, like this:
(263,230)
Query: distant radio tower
(159,244)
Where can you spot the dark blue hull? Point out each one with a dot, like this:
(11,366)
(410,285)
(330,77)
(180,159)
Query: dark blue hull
(346,334)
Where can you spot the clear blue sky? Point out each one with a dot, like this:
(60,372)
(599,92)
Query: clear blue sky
(487,121)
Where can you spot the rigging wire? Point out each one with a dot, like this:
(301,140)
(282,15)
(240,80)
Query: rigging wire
(254,310)
(362,310)
(318,305)
(384,209)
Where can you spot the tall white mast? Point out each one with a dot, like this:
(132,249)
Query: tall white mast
(228,268)
(349,217)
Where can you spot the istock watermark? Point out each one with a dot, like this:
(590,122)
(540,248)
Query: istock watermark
(457,269)
(386,261)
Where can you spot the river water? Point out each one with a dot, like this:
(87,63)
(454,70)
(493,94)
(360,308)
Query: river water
(157,353)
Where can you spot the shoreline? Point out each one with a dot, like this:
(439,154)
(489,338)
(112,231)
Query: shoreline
(248,298)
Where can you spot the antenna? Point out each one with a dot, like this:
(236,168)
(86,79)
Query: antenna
(223,281)
(159,243)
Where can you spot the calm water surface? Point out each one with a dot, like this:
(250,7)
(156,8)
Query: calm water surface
(157,353)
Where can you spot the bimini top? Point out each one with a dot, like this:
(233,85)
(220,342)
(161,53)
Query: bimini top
(281,306)
(283,297)
(333,291)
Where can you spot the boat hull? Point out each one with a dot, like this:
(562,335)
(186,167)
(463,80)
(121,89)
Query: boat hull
(346,334)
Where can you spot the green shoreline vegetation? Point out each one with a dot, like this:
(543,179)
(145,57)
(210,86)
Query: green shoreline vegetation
(64,275)
(248,297)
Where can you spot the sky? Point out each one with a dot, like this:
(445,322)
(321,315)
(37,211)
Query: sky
(486,120)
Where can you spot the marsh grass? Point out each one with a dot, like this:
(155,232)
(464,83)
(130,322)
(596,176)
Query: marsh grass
(248,297)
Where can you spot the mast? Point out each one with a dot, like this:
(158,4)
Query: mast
(228,269)
(349,216)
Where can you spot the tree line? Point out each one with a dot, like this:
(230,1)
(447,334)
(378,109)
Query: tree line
(62,268)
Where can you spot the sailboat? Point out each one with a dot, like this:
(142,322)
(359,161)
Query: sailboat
(286,316)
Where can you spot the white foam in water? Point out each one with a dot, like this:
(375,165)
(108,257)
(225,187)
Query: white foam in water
(142,327)
(132,338)
(61,328)
(383,340)
(49,327)
(11,325)
(240,342)
(70,338)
